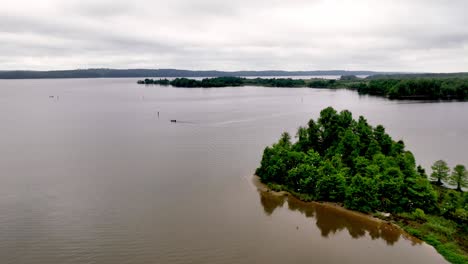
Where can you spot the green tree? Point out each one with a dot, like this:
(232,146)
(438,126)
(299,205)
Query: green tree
(459,177)
(331,187)
(440,172)
(390,185)
(285,140)
(331,184)
(314,137)
(303,143)
(362,194)
(419,193)
(329,122)
(364,132)
(345,119)
(341,159)
(384,139)
(372,149)
(348,147)
(348,161)
(421,171)
(297,174)
(449,202)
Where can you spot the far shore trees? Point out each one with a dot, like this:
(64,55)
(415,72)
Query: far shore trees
(397,87)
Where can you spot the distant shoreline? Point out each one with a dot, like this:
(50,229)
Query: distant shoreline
(169,73)
(400,87)
(180,73)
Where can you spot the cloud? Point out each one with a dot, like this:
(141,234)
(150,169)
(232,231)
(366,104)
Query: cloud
(411,35)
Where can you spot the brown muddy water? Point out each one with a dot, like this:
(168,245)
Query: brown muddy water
(92,175)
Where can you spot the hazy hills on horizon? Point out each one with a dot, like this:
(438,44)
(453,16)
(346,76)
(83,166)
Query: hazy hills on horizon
(139,73)
(161,73)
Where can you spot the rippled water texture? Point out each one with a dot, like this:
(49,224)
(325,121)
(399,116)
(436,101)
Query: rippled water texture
(90,174)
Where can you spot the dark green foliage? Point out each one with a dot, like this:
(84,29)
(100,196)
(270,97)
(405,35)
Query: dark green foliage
(151,81)
(410,87)
(459,177)
(275,82)
(362,194)
(331,187)
(207,82)
(440,172)
(340,159)
(436,88)
(390,186)
(322,83)
(227,82)
(348,161)
(417,88)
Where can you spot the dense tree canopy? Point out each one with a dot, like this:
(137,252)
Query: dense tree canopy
(341,159)
(227,81)
(338,158)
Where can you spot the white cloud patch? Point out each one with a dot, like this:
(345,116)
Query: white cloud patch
(397,35)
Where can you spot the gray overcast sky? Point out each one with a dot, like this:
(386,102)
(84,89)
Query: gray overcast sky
(393,35)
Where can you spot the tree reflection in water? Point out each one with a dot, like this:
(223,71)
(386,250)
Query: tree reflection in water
(330,219)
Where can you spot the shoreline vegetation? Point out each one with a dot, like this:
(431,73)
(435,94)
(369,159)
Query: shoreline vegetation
(418,87)
(375,218)
(350,163)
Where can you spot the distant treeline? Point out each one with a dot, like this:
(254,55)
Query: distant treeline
(425,88)
(440,88)
(431,88)
(161,73)
(227,81)
(419,75)
(238,81)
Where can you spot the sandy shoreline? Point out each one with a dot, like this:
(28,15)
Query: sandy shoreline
(337,209)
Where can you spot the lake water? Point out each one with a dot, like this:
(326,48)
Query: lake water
(92,175)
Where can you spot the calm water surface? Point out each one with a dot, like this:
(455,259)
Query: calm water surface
(92,175)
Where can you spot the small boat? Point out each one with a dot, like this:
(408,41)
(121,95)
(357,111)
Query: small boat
(174,121)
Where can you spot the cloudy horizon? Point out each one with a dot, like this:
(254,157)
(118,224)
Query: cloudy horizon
(412,35)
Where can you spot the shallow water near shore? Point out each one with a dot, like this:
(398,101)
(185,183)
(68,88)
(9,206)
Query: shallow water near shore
(91,174)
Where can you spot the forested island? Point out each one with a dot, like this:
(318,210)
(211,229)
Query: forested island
(349,162)
(227,82)
(421,87)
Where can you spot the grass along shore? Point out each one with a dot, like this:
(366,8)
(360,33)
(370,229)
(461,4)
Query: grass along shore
(434,230)
(337,158)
